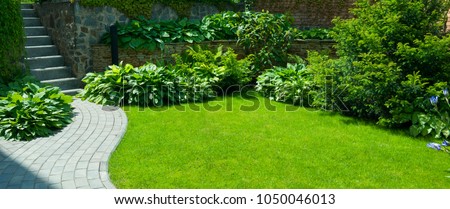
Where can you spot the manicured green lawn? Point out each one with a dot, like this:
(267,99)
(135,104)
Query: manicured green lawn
(169,148)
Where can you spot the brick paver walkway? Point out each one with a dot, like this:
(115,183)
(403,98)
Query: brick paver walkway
(76,157)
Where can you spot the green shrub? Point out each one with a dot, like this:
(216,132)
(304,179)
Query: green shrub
(33,111)
(267,36)
(290,84)
(222,26)
(392,58)
(224,67)
(11,40)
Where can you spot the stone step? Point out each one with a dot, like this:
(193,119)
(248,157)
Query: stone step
(64,83)
(31,21)
(35,31)
(45,61)
(26,6)
(51,73)
(72,92)
(28,13)
(38,40)
(42,50)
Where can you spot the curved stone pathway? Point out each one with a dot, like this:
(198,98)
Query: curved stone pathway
(76,157)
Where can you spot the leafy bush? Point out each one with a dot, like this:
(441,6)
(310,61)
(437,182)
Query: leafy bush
(224,67)
(222,26)
(392,58)
(33,111)
(290,84)
(150,34)
(11,40)
(194,78)
(267,36)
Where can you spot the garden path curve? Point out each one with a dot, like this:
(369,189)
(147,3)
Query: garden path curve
(75,157)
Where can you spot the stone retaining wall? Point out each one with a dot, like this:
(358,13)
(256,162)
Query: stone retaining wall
(102,53)
(75,28)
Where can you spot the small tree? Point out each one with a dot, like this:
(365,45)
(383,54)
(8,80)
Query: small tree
(11,40)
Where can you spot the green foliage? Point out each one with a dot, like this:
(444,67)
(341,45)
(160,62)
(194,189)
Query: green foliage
(149,34)
(392,56)
(33,111)
(223,26)
(314,33)
(266,35)
(290,84)
(136,8)
(194,78)
(435,119)
(224,67)
(148,85)
(11,40)
(327,81)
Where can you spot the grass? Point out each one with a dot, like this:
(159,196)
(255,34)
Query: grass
(170,148)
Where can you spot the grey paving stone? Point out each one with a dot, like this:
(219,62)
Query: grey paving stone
(70,158)
(16,180)
(27,185)
(69,184)
(68,176)
(56,186)
(41,185)
(81,182)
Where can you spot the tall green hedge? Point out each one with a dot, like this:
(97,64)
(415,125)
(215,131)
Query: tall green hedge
(11,40)
(135,8)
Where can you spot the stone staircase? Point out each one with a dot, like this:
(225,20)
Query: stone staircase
(43,58)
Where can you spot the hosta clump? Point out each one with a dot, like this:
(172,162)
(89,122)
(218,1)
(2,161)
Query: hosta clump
(33,111)
(151,35)
(127,84)
(148,85)
(286,84)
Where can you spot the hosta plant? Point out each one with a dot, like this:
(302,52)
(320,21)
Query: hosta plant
(286,84)
(33,111)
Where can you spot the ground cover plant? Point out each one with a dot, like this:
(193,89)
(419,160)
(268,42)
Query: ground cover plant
(29,110)
(228,143)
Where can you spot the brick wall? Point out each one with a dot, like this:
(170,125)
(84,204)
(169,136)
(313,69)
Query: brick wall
(308,13)
(102,53)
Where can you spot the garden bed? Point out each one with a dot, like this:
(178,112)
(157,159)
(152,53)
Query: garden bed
(102,53)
